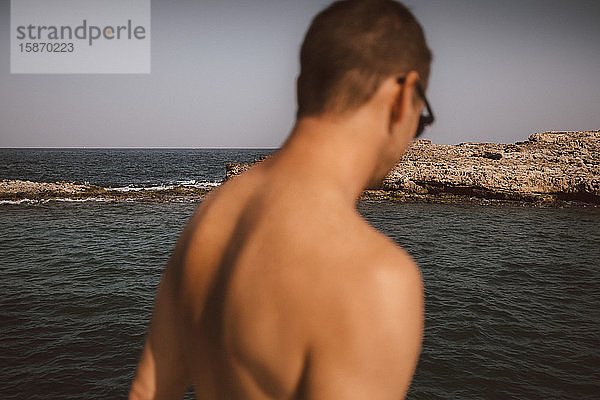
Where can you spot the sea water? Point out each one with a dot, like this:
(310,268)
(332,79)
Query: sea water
(512,293)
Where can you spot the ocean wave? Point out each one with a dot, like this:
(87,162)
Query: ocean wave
(22,201)
(168,186)
(44,201)
(137,189)
(97,199)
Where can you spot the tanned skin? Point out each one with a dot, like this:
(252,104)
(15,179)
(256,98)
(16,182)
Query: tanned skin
(279,289)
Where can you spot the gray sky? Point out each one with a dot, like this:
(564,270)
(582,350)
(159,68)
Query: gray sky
(223,75)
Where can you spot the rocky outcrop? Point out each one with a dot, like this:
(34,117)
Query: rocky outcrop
(233,169)
(548,168)
(18,190)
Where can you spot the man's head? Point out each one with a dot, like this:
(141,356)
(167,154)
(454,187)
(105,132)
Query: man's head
(350,48)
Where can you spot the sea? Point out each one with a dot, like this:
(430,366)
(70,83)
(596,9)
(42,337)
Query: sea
(512,292)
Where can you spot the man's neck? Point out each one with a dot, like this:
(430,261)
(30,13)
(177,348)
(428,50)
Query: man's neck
(340,155)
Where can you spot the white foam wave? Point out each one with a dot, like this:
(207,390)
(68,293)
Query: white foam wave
(67,200)
(28,201)
(44,201)
(208,184)
(137,189)
(188,183)
(198,184)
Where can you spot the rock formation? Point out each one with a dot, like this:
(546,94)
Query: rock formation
(550,167)
(18,190)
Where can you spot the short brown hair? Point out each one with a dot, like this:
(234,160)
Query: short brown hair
(350,47)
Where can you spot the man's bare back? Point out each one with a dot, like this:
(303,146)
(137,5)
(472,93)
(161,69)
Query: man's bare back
(278,288)
(274,295)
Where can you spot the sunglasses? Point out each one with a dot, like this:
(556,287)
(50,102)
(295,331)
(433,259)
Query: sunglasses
(424,120)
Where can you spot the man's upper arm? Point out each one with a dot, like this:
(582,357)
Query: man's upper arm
(369,344)
(160,373)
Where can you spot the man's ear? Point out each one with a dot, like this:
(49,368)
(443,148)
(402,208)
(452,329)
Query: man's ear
(405,111)
(406,97)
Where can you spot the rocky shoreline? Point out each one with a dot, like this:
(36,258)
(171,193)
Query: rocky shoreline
(549,169)
(19,190)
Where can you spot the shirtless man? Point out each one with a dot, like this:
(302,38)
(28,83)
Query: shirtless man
(277,287)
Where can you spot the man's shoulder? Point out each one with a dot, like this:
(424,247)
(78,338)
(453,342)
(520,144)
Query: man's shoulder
(385,273)
(376,273)
(366,329)
(380,256)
